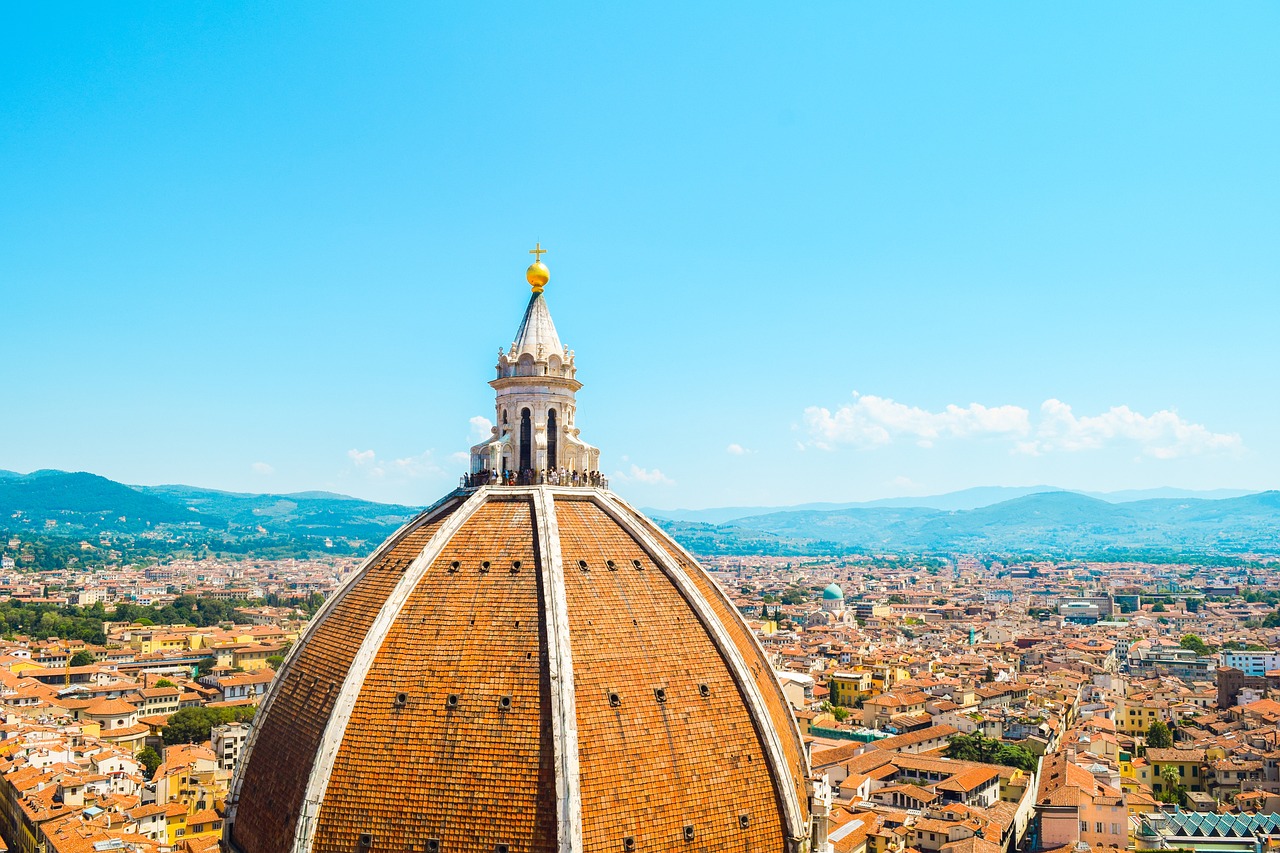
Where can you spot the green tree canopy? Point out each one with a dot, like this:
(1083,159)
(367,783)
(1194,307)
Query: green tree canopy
(978,747)
(83,658)
(1159,736)
(192,725)
(150,759)
(1195,644)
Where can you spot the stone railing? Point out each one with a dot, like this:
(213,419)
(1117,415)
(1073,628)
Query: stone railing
(579,479)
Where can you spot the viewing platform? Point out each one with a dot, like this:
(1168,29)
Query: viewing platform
(554,477)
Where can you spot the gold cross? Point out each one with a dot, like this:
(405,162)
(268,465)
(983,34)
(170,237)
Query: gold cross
(537,251)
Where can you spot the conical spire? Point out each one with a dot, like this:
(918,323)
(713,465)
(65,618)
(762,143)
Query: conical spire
(537,335)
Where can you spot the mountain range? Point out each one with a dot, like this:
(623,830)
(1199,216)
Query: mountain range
(992,520)
(973,498)
(79,503)
(1053,522)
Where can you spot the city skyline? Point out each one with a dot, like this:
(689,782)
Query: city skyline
(828,258)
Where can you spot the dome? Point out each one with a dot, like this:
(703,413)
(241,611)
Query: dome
(530,665)
(521,666)
(832,593)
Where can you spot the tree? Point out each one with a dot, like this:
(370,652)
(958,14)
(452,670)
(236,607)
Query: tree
(192,725)
(83,659)
(1159,736)
(841,714)
(1195,644)
(794,596)
(978,747)
(274,661)
(150,759)
(164,682)
(1158,608)
(1173,787)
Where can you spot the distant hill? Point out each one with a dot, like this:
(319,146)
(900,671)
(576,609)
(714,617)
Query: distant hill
(79,504)
(83,500)
(302,513)
(973,498)
(1055,522)
(153,520)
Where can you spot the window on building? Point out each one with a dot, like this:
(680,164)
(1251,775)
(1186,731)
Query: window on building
(526,440)
(1084,826)
(553,439)
(1099,826)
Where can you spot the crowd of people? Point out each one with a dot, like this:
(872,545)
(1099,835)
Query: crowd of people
(530,477)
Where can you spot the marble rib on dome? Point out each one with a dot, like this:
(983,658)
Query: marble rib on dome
(537,330)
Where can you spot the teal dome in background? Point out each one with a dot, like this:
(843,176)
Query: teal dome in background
(833,593)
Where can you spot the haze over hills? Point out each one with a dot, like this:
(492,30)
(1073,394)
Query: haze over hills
(1056,522)
(972,498)
(992,519)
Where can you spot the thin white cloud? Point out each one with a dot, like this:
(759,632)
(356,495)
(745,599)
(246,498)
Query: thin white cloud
(262,468)
(407,468)
(649,476)
(481,428)
(422,465)
(1161,435)
(872,421)
(736,449)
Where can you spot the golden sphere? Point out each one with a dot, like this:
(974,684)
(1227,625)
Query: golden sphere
(538,275)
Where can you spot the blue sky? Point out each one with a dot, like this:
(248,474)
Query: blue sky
(836,253)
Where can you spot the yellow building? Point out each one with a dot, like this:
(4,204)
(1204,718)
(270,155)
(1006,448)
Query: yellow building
(846,687)
(1187,765)
(1137,714)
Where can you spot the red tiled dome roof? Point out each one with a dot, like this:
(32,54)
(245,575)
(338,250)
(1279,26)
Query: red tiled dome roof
(540,668)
